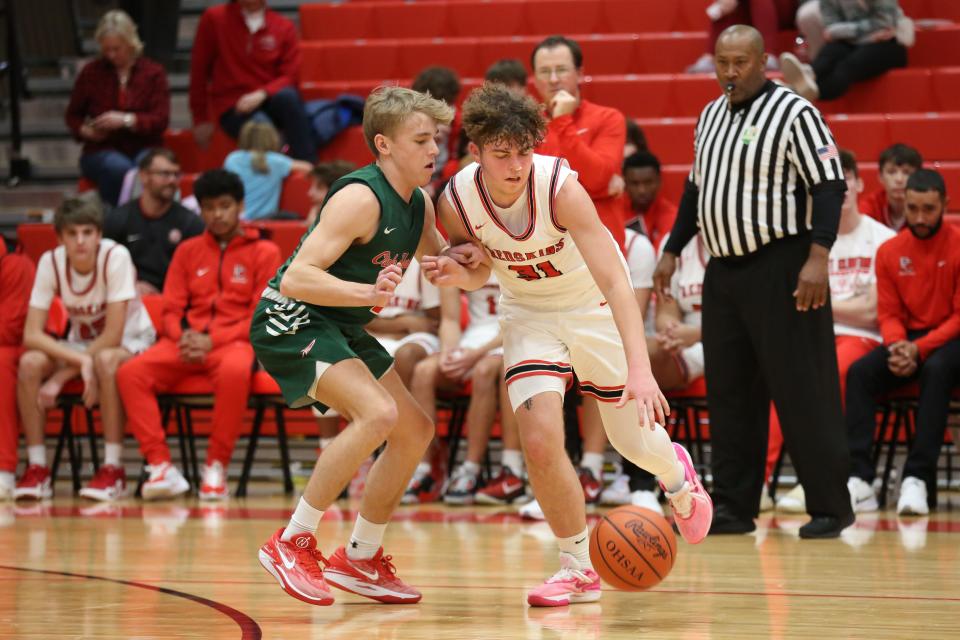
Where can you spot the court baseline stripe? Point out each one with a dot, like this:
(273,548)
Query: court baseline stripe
(250,630)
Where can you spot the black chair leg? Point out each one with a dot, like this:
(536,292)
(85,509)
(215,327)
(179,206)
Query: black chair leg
(777,469)
(58,451)
(72,451)
(251,451)
(184,460)
(192,444)
(455,433)
(92,437)
(899,421)
(284,450)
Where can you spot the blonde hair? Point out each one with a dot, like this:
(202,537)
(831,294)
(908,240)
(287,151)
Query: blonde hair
(387,107)
(258,138)
(120,23)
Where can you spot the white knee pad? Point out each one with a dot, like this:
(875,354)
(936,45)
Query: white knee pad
(649,449)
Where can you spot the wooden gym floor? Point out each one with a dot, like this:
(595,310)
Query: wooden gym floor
(185,570)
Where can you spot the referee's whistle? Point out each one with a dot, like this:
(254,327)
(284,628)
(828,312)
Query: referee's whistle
(729,87)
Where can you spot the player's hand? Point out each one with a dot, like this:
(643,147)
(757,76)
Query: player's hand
(443,271)
(616,186)
(562,104)
(663,274)
(813,283)
(468,254)
(250,102)
(652,405)
(387,281)
(47,396)
(91,390)
(459,362)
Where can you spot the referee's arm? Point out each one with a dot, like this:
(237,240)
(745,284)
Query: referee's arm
(813,151)
(684,228)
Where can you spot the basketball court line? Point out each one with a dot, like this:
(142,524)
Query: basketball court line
(250,630)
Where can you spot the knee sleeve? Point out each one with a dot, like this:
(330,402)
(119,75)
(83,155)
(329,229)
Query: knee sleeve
(648,449)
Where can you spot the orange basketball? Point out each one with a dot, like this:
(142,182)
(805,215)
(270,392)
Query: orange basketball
(633,548)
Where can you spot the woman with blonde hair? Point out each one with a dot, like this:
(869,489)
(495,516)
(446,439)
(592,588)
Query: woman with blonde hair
(119,107)
(262,168)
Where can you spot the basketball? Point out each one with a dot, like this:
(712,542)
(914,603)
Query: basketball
(633,548)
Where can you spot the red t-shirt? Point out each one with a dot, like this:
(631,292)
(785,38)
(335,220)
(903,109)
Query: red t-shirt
(877,207)
(591,139)
(918,287)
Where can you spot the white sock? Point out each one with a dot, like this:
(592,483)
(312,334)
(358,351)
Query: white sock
(37,454)
(112,451)
(513,459)
(578,546)
(593,462)
(304,520)
(366,539)
(471,468)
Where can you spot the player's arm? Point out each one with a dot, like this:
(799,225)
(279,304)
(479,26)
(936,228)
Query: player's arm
(34,337)
(116,318)
(350,216)
(576,212)
(449,331)
(443,270)
(858,311)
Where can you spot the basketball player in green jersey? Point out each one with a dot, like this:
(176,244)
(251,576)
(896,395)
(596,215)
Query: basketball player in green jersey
(308,333)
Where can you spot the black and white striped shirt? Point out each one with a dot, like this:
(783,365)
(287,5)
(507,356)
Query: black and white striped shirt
(754,167)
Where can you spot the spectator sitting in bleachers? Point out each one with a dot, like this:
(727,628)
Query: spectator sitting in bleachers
(767,16)
(16,280)
(853,300)
(475,356)
(152,226)
(95,278)
(212,287)
(648,211)
(322,176)
(861,43)
(442,83)
(262,169)
(119,106)
(918,307)
(244,64)
(887,204)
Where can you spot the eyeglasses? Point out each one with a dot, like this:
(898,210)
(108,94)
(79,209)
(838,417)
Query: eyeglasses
(561,72)
(167,174)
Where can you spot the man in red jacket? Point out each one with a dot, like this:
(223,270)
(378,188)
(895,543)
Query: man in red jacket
(16,281)
(918,306)
(245,64)
(213,285)
(588,136)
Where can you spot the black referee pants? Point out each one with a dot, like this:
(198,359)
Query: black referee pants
(758,347)
(869,377)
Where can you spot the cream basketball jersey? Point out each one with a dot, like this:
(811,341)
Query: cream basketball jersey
(687,283)
(534,257)
(86,296)
(483,302)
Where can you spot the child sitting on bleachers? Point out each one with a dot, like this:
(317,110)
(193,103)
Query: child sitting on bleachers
(262,168)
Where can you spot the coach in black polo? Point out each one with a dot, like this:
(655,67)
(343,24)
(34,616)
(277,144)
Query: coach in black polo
(765,192)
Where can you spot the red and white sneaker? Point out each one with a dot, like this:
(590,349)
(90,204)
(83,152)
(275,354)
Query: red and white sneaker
(296,566)
(35,484)
(570,585)
(109,483)
(691,504)
(165,481)
(503,489)
(375,578)
(591,485)
(213,486)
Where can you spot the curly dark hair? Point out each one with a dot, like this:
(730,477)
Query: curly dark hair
(493,113)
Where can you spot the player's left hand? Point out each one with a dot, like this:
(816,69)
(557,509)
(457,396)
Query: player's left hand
(91,392)
(813,283)
(652,405)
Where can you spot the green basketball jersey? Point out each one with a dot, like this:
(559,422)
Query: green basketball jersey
(395,242)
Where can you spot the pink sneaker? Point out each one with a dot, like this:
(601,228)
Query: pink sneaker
(570,585)
(691,504)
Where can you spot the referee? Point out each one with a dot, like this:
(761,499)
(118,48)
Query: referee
(766,190)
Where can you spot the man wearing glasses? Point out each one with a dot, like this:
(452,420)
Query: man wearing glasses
(153,225)
(588,136)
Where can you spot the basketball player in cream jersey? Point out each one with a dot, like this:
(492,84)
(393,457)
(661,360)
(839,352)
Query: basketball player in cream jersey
(567,305)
